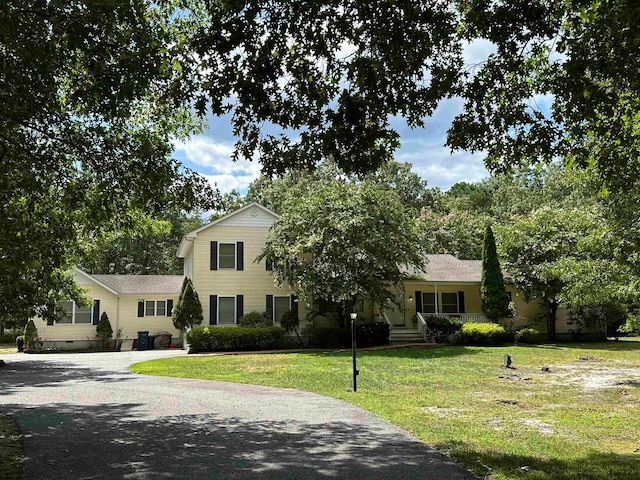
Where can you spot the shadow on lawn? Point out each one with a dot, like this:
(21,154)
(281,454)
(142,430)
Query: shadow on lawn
(18,375)
(611,345)
(594,466)
(426,352)
(118,441)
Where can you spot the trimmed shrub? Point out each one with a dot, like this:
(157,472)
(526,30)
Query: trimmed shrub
(527,335)
(372,334)
(255,320)
(31,338)
(104,332)
(439,329)
(329,337)
(20,343)
(480,334)
(217,339)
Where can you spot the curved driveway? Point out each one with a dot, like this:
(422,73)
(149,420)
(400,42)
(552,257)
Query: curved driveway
(85,416)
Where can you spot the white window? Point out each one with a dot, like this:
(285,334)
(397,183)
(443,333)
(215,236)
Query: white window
(155,308)
(227,256)
(428,302)
(449,302)
(281,305)
(74,314)
(227,310)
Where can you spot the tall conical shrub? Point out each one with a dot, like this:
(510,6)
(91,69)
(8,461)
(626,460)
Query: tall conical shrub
(188,311)
(104,332)
(495,300)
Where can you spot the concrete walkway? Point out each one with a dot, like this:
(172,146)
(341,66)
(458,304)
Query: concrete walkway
(85,416)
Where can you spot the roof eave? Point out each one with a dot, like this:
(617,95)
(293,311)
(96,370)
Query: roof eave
(102,284)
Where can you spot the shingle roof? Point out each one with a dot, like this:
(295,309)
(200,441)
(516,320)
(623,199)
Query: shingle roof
(142,284)
(447,268)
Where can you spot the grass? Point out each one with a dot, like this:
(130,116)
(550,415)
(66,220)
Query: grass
(6,348)
(557,424)
(11,450)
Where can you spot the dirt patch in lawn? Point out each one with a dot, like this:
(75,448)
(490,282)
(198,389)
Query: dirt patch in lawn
(597,377)
(441,411)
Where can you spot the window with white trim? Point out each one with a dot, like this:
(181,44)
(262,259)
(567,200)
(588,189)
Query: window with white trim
(227,256)
(428,302)
(226,310)
(74,314)
(449,302)
(281,305)
(155,308)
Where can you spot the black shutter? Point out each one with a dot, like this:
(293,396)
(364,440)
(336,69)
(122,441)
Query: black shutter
(461,302)
(96,311)
(239,255)
(141,308)
(239,307)
(213,261)
(418,301)
(213,309)
(169,307)
(293,303)
(269,308)
(268,265)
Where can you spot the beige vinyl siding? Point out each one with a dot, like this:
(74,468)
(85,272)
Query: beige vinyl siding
(108,303)
(254,282)
(131,324)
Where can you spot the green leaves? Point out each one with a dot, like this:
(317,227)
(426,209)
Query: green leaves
(85,137)
(339,241)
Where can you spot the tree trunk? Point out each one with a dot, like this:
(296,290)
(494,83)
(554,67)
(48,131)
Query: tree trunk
(551,319)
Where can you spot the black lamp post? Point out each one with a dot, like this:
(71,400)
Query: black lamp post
(354,317)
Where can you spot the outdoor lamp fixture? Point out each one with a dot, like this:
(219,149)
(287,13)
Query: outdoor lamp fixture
(411,298)
(354,317)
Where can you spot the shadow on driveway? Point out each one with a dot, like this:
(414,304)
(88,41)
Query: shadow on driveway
(78,442)
(19,375)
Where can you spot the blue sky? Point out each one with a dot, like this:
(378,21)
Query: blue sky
(210,152)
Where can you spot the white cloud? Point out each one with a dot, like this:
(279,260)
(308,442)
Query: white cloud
(218,167)
(439,167)
(225,182)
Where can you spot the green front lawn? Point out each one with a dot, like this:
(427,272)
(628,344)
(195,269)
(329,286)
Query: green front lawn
(577,421)
(11,451)
(8,348)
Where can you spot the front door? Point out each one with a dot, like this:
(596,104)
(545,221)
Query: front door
(396,314)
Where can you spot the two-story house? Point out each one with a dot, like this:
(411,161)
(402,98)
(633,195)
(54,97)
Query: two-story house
(220,259)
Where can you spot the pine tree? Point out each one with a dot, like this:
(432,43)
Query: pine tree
(188,311)
(495,300)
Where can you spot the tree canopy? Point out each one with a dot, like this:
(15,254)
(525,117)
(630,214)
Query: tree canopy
(90,108)
(341,241)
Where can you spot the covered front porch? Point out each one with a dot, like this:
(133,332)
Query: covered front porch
(422,299)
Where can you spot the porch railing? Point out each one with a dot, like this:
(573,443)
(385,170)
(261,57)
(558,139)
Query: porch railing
(421,325)
(385,318)
(463,317)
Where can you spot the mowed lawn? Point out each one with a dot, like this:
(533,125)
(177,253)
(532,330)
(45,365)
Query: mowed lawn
(569,412)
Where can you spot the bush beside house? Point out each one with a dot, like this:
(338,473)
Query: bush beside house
(217,338)
(31,338)
(255,319)
(480,334)
(104,332)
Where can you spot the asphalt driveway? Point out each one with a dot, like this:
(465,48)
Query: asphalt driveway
(85,416)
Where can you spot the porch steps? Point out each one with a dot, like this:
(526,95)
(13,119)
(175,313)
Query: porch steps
(405,335)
